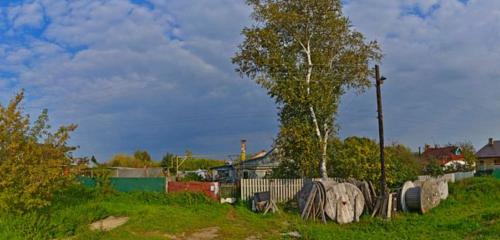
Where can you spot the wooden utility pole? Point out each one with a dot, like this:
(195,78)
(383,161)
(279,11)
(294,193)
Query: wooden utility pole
(378,80)
(177,164)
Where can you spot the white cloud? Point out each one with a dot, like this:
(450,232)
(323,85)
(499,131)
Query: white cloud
(26,15)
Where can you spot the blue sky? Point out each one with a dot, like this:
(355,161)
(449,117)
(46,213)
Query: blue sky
(157,75)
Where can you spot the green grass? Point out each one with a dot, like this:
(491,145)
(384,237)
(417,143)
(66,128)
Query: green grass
(471,212)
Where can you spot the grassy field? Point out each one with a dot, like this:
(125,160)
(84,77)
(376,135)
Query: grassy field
(471,212)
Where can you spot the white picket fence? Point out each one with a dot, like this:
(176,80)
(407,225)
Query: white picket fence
(281,190)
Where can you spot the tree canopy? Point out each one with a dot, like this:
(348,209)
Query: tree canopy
(138,160)
(358,157)
(306,55)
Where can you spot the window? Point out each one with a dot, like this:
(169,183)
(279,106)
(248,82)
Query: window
(497,161)
(245,175)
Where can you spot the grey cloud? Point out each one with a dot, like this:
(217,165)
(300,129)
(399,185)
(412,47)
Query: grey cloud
(161,78)
(441,69)
(144,78)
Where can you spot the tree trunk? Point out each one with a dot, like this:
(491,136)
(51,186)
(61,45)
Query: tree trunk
(322,170)
(322,140)
(324,157)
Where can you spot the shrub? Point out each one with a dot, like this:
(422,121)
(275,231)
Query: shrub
(34,162)
(358,157)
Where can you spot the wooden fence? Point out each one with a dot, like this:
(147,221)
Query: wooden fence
(281,190)
(451,177)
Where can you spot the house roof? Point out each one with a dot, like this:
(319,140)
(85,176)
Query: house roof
(252,161)
(226,167)
(257,158)
(489,150)
(259,154)
(443,154)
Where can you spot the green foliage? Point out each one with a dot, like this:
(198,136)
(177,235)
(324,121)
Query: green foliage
(469,153)
(306,55)
(193,164)
(143,156)
(299,153)
(102,179)
(34,162)
(138,160)
(359,158)
(187,163)
(434,168)
(167,163)
(192,177)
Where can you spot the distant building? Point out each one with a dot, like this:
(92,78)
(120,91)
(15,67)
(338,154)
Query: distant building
(445,156)
(489,156)
(259,165)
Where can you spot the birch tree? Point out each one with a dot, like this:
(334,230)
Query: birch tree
(306,54)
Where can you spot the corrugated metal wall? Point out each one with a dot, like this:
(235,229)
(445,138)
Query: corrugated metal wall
(130,184)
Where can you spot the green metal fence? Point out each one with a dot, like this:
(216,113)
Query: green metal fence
(496,173)
(130,184)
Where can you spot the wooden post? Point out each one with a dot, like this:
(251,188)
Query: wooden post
(378,80)
(166,184)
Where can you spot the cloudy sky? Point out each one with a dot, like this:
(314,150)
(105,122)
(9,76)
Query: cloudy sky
(157,75)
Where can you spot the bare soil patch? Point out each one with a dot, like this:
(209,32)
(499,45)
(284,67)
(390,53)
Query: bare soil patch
(108,223)
(202,234)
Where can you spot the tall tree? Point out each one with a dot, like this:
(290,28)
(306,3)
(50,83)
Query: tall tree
(305,53)
(143,156)
(167,163)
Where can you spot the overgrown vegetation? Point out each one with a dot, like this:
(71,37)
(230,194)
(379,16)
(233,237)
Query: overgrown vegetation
(140,159)
(359,158)
(169,162)
(471,212)
(34,161)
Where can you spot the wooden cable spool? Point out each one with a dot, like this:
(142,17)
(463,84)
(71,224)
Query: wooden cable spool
(430,196)
(368,193)
(412,199)
(407,185)
(341,202)
(422,198)
(443,188)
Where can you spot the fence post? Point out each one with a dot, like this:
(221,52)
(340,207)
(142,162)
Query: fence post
(166,184)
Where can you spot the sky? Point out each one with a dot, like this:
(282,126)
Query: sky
(157,74)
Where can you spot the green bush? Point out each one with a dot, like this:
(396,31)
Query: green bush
(34,162)
(359,158)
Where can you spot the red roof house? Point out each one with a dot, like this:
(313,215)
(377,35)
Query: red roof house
(444,155)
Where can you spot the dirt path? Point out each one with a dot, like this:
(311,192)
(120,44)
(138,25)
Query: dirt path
(202,234)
